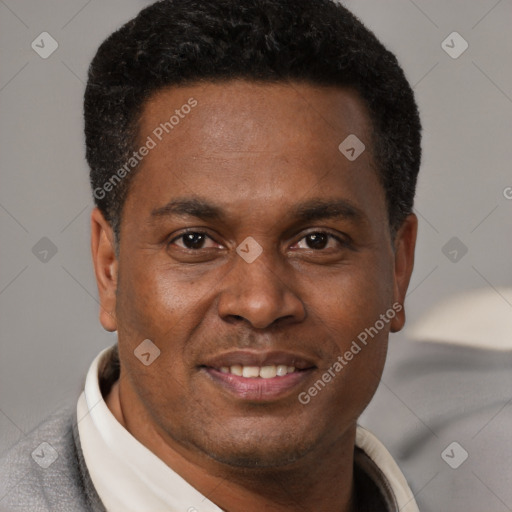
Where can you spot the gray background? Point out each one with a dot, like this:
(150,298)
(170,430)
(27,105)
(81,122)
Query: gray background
(48,309)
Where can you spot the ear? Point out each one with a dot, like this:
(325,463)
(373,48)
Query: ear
(105,268)
(405,243)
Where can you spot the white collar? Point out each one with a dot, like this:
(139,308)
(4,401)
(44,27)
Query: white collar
(128,477)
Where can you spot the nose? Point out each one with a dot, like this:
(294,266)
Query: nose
(259,293)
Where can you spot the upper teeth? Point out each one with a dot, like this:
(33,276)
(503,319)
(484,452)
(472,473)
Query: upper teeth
(265,372)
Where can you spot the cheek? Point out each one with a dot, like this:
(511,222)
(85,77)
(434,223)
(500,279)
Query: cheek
(356,360)
(355,298)
(150,307)
(155,304)
(355,317)
(150,303)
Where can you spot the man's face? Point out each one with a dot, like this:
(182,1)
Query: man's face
(259,161)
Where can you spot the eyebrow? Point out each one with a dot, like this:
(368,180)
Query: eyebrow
(318,209)
(192,207)
(308,211)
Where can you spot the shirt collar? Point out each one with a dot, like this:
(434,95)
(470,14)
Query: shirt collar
(128,477)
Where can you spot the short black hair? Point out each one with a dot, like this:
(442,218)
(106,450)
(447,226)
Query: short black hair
(178,42)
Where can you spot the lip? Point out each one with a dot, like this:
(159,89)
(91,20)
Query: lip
(253,358)
(257,389)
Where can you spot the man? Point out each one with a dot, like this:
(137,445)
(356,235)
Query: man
(254,168)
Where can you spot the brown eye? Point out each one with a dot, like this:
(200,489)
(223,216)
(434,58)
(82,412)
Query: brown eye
(193,240)
(317,240)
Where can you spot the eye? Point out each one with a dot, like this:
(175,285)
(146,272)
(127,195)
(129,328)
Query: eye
(193,240)
(319,240)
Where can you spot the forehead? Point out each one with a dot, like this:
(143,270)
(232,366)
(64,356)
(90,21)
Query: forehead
(238,114)
(259,144)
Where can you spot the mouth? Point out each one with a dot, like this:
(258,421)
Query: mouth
(259,377)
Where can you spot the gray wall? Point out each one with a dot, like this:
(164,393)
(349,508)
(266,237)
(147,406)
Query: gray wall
(48,302)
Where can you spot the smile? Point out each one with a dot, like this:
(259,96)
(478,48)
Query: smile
(262,372)
(259,376)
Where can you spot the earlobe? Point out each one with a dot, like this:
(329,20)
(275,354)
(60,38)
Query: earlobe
(405,243)
(105,268)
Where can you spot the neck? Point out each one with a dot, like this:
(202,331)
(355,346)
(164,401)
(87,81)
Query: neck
(323,480)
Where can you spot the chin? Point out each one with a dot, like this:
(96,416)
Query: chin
(259,451)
